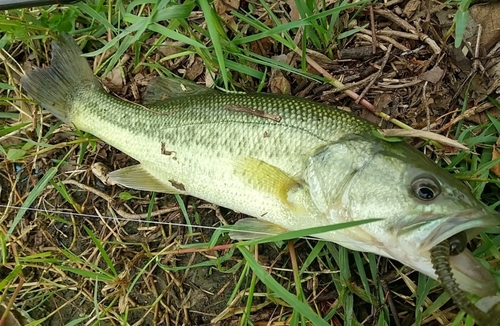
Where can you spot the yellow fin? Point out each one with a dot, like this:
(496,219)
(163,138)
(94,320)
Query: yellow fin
(252,228)
(137,177)
(266,178)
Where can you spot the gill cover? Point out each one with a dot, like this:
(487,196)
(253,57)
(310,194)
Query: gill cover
(332,166)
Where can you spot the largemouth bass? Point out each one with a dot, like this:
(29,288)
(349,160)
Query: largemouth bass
(288,162)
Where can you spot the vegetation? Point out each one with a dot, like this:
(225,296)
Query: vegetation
(69,257)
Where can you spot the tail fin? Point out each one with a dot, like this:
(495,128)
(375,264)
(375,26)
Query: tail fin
(53,87)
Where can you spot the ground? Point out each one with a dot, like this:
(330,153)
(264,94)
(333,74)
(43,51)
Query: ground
(77,251)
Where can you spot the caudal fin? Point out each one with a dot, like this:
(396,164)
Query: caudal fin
(53,87)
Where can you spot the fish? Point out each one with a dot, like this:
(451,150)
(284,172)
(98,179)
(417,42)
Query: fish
(287,163)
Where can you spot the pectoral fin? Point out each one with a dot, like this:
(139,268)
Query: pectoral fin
(266,178)
(252,228)
(137,177)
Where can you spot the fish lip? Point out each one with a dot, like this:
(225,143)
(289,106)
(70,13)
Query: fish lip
(470,274)
(471,221)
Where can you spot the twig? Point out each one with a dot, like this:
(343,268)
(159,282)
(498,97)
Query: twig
(468,113)
(111,201)
(424,135)
(372,26)
(352,94)
(408,27)
(10,304)
(390,302)
(358,84)
(335,82)
(377,74)
(369,38)
(476,63)
(426,103)
(407,84)
(388,39)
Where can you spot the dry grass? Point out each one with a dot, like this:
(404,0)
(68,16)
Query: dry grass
(78,252)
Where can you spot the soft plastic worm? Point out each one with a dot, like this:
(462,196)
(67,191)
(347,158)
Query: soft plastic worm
(440,257)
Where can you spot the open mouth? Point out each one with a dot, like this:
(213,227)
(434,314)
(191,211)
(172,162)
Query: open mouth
(469,273)
(470,222)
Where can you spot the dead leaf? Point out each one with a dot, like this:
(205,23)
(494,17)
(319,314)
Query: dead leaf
(322,59)
(488,16)
(494,76)
(169,48)
(424,135)
(410,8)
(114,81)
(224,8)
(294,12)
(263,46)
(195,70)
(496,154)
(434,75)
(278,84)
(382,101)
(11,317)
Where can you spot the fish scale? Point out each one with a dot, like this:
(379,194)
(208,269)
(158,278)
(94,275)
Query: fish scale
(287,162)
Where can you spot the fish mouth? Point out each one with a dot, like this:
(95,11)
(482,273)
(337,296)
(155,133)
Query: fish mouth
(471,222)
(469,273)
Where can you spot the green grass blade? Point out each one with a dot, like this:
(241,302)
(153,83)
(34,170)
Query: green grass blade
(213,29)
(300,233)
(39,187)
(103,252)
(280,291)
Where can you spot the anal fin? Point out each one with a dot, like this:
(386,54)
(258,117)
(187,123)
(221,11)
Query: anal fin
(137,177)
(252,228)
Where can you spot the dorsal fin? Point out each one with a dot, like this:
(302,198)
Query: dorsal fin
(163,88)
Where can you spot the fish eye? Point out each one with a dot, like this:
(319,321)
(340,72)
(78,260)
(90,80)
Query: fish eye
(425,188)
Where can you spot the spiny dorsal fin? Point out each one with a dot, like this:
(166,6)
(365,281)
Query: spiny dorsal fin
(163,88)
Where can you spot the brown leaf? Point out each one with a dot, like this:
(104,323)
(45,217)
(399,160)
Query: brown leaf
(322,59)
(424,135)
(496,154)
(410,8)
(294,12)
(195,70)
(225,6)
(169,48)
(488,16)
(434,75)
(279,84)
(494,76)
(114,81)
(263,46)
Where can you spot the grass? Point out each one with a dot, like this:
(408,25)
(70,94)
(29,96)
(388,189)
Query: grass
(67,258)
